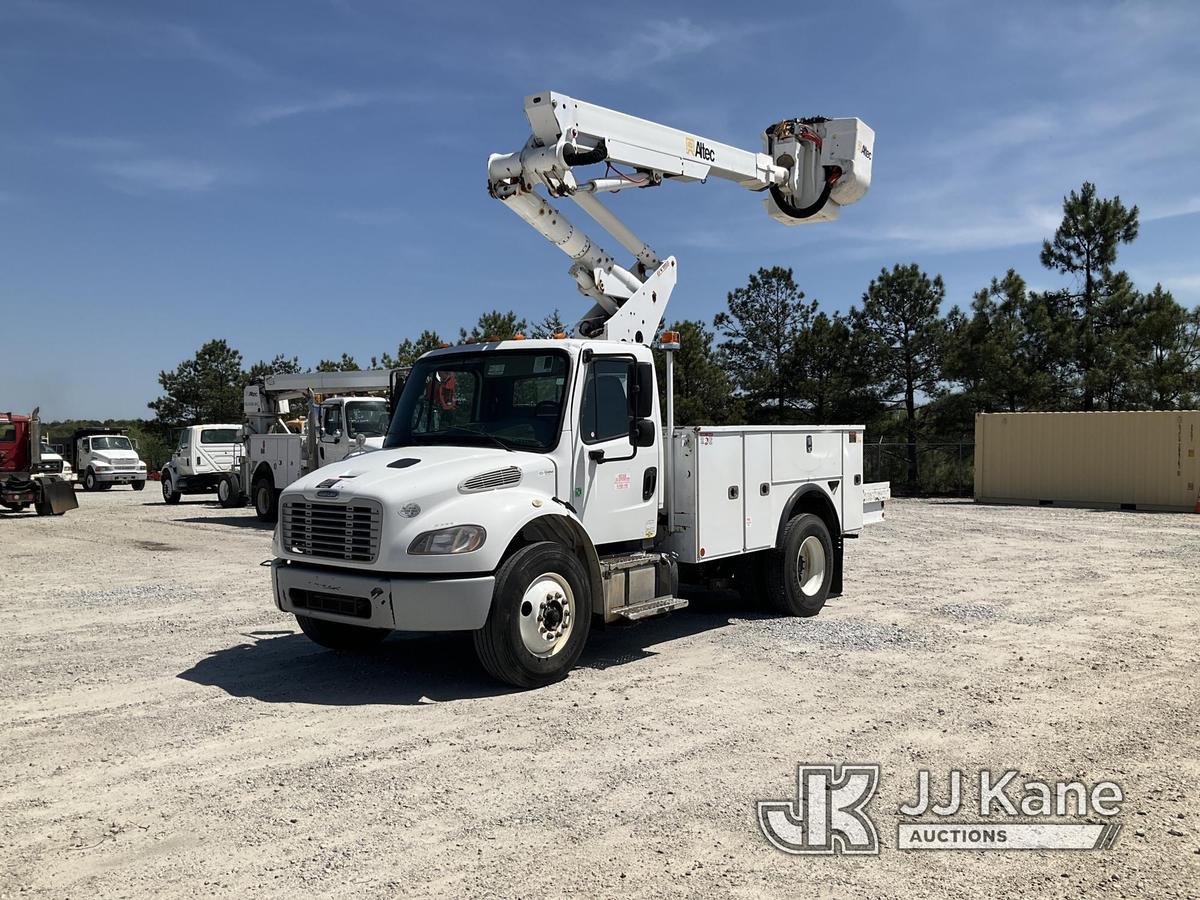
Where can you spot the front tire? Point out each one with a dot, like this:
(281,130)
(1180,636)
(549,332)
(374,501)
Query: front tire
(799,574)
(340,636)
(229,495)
(90,483)
(137,485)
(266,500)
(170,495)
(540,617)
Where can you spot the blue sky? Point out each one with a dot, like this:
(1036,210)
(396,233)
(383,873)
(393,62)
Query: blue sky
(308,177)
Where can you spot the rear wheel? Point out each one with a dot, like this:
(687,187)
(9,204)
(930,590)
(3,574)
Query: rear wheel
(340,636)
(800,573)
(266,500)
(16,507)
(540,617)
(170,495)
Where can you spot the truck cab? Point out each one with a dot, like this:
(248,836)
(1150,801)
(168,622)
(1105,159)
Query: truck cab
(104,457)
(204,457)
(30,475)
(527,487)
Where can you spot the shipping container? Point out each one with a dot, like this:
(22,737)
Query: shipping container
(1122,460)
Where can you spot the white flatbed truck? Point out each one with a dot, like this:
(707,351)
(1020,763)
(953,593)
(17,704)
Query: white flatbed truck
(528,487)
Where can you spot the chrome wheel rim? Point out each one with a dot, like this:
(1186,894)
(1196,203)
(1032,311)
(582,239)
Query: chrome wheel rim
(547,615)
(166,488)
(811,561)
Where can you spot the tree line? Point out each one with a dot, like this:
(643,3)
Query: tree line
(895,362)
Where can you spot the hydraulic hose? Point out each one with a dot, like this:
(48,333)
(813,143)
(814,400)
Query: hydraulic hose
(797,212)
(573,157)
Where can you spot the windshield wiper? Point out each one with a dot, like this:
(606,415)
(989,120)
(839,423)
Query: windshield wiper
(483,434)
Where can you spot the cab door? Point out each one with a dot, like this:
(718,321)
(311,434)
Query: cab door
(330,445)
(615,487)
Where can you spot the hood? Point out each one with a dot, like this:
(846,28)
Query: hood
(115,455)
(413,473)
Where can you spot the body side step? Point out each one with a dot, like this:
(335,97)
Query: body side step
(655,607)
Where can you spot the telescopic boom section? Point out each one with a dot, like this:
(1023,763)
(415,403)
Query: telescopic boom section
(809,169)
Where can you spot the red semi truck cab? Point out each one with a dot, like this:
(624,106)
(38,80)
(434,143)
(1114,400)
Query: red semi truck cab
(25,478)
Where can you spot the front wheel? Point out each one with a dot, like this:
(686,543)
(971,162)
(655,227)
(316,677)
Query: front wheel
(339,636)
(266,500)
(229,495)
(540,617)
(137,485)
(90,483)
(800,573)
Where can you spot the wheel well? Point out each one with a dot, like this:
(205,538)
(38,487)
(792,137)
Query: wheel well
(263,470)
(811,499)
(566,531)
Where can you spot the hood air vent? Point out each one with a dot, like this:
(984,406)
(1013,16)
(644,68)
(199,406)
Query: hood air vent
(490,481)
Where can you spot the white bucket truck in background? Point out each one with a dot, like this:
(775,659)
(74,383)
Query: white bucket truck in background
(278,450)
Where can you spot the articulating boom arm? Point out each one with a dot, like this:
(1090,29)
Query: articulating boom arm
(810,168)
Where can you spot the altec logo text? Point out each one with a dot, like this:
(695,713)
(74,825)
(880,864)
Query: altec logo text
(829,813)
(700,150)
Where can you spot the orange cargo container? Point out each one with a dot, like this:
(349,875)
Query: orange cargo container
(1126,460)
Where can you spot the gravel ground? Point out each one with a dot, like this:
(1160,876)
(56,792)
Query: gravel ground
(167,732)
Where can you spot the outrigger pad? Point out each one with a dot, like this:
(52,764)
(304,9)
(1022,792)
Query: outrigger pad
(60,495)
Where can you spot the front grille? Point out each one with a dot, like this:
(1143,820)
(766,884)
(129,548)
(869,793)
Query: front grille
(355,607)
(125,465)
(490,481)
(347,531)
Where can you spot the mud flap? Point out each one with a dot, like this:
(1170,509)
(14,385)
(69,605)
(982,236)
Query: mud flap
(60,496)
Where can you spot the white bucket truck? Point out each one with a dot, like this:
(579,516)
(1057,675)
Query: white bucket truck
(527,488)
(277,450)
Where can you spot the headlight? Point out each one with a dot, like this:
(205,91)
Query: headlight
(141,465)
(459,539)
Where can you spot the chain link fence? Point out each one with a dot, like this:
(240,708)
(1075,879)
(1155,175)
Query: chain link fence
(943,469)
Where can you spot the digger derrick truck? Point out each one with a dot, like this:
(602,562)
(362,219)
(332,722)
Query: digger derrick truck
(527,488)
(26,478)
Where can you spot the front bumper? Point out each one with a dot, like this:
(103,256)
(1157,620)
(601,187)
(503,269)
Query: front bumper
(122,477)
(404,604)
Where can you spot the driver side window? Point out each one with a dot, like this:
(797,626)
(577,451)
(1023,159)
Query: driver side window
(332,424)
(605,413)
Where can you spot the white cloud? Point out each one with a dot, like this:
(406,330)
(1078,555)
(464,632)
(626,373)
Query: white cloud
(334,101)
(161,174)
(147,38)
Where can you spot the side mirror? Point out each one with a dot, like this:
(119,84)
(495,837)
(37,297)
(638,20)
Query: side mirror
(646,388)
(642,433)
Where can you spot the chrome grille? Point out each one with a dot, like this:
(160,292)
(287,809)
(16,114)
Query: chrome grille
(347,531)
(125,465)
(490,481)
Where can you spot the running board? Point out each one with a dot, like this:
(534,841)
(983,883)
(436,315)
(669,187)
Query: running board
(656,607)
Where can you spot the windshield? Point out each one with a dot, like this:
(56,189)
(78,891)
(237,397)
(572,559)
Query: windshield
(510,397)
(111,442)
(367,419)
(220,435)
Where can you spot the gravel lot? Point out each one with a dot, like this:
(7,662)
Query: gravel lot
(166,731)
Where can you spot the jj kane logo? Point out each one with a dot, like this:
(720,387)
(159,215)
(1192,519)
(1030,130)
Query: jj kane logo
(829,813)
(700,150)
